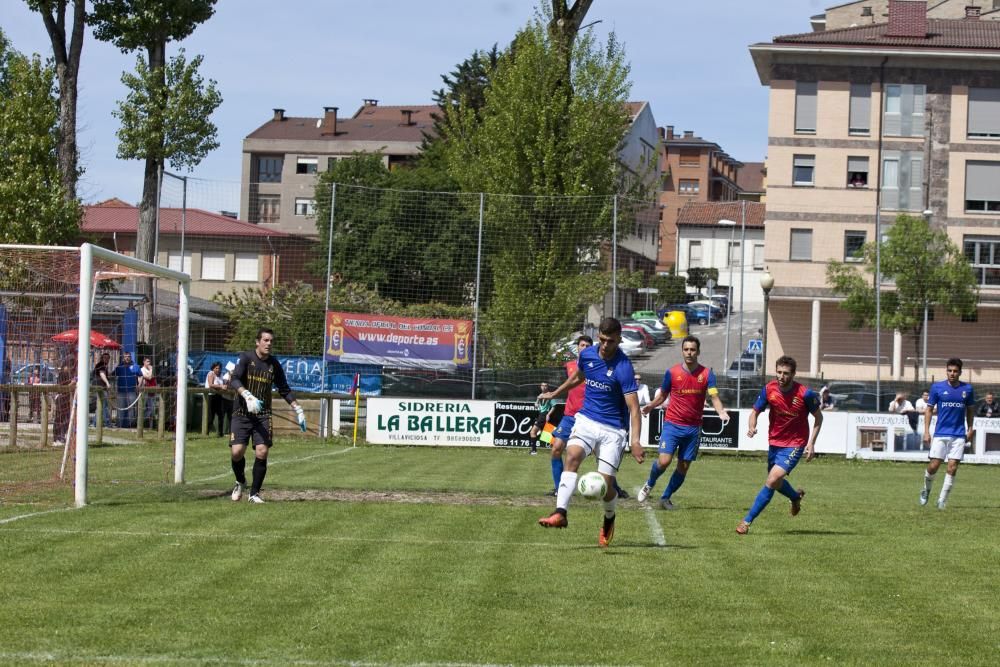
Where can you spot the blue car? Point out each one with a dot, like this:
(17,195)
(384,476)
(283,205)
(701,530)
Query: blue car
(696,313)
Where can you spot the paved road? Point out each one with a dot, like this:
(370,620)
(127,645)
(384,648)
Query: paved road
(713,346)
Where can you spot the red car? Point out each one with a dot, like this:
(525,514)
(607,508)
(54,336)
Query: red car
(646,338)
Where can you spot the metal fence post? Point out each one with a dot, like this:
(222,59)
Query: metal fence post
(614,256)
(475,314)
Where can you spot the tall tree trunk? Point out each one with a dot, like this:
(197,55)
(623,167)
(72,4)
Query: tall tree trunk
(67,61)
(146,232)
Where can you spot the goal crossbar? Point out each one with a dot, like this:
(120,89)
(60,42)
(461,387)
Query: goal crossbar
(88,252)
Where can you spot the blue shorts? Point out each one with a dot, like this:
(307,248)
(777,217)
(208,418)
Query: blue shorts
(565,427)
(785,458)
(682,438)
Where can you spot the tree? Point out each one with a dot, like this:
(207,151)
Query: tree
(698,277)
(927,271)
(33,205)
(671,288)
(66,50)
(166,114)
(543,130)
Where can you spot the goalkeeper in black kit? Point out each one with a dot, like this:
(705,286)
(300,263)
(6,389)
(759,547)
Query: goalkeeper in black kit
(252,378)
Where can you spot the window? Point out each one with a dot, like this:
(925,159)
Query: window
(984,112)
(866,10)
(853,243)
(758,256)
(735,257)
(268,209)
(903,181)
(694,254)
(860,116)
(803,168)
(269,169)
(305,206)
(984,256)
(857,172)
(331,162)
(174,261)
(213,265)
(689,186)
(805,107)
(246,269)
(904,110)
(306,165)
(982,186)
(690,157)
(801,245)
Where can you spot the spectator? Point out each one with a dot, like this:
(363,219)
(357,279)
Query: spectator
(989,407)
(5,395)
(146,381)
(921,405)
(64,401)
(216,385)
(101,381)
(35,397)
(901,406)
(643,393)
(126,375)
(826,400)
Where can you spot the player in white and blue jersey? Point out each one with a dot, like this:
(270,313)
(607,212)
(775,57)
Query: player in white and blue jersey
(609,418)
(956,410)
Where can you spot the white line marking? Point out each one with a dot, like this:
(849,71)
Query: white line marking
(655,529)
(12,519)
(50,656)
(276,463)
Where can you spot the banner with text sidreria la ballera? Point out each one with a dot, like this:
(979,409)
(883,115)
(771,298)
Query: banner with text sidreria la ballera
(399,342)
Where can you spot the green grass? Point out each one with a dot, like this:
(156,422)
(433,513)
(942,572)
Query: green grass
(154,574)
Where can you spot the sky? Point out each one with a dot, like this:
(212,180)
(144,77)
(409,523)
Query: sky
(689,60)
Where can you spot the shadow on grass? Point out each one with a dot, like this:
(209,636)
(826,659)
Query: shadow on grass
(834,533)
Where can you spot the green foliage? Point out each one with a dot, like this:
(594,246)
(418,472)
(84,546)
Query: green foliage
(138,24)
(927,269)
(433,257)
(168,117)
(698,277)
(672,288)
(33,208)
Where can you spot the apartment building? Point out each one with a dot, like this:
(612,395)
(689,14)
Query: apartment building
(692,170)
(908,109)
(282,157)
(870,12)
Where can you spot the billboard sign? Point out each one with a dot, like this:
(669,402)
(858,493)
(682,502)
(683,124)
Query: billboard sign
(398,342)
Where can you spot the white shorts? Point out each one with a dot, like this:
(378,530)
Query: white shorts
(952,447)
(604,442)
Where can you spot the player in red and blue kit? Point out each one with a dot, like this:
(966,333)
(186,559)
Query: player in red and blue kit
(686,385)
(608,420)
(955,405)
(788,436)
(574,401)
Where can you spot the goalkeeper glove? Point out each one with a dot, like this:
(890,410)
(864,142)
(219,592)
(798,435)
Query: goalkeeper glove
(301,416)
(253,403)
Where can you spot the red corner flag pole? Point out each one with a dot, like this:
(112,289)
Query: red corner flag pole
(356,392)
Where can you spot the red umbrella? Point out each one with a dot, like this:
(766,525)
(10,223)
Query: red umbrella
(97,339)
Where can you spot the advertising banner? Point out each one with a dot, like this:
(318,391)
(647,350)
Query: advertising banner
(303,373)
(407,421)
(513,420)
(713,434)
(399,342)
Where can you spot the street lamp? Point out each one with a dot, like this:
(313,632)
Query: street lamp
(729,258)
(766,283)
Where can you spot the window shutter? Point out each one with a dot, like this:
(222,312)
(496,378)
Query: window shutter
(801,244)
(861,108)
(984,112)
(805,106)
(890,182)
(982,181)
(916,189)
(919,103)
(857,164)
(892,119)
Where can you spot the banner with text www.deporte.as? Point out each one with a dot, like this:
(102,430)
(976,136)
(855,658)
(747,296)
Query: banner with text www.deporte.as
(400,342)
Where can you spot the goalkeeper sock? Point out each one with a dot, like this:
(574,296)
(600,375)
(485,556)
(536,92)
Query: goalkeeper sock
(259,471)
(239,469)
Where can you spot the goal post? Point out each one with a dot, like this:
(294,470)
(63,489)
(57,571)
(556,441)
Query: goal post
(88,253)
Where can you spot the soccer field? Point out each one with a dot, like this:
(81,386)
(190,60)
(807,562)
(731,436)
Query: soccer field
(432,556)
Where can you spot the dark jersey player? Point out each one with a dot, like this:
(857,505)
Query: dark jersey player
(252,378)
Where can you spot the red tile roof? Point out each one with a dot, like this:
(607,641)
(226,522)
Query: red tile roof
(115,216)
(369,123)
(751,177)
(709,213)
(941,34)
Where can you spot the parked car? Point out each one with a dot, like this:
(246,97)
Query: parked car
(48,374)
(632,343)
(695,314)
(659,335)
(638,328)
(640,314)
(717,312)
(743,368)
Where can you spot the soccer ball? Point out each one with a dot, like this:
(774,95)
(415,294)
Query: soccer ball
(592,485)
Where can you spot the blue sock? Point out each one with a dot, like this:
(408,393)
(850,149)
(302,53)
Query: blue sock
(788,490)
(557,470)
(675,483)
(759,503)
(654,473)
